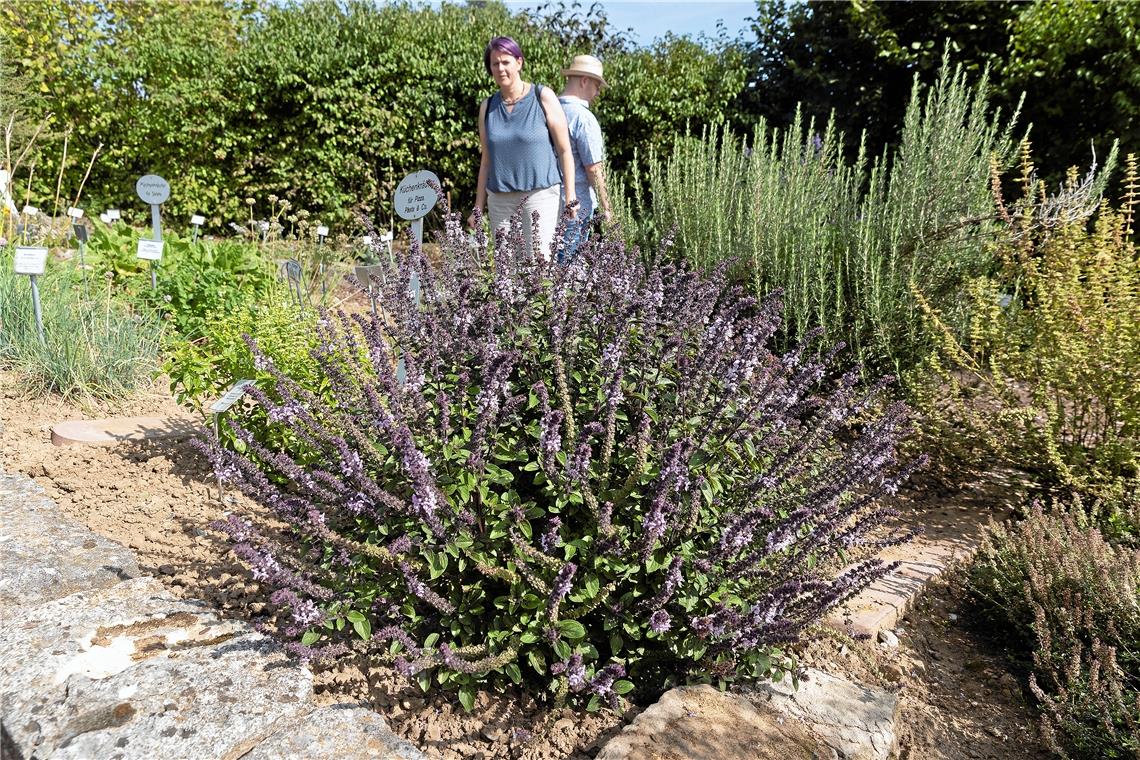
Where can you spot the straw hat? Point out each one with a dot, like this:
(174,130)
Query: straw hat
(586,66)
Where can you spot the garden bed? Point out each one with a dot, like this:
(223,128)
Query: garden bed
(958,698)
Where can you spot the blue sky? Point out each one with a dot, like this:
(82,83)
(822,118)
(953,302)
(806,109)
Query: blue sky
(651,19)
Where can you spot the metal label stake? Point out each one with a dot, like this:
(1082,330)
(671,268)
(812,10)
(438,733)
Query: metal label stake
(415,197)
(220,407)
(154,190)
(31,261)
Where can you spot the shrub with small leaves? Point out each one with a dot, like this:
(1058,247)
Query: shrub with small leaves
(587,477)
(1072,599)
(1045,375)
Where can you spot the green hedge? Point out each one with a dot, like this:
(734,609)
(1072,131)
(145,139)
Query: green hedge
(322,103)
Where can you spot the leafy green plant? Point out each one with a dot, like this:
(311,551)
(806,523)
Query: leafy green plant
(589,478)
(1045,375)
(95,348)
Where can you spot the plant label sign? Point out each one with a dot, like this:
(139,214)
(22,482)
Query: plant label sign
(30,260)
(236,391)
(322,231)
(75,213)
(197,220)
(30,211)
(151,250)
(80,232)
(414,196)
(113,214)
(152,189)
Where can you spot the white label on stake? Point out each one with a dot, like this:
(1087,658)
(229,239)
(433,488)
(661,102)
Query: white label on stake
(151,250)
(105,218)
(263,225)
(29,260)
(198,220)
(414,196)
(114,213)
(367,240)
(322,231)
(152,189)
(387,237)
(236,391)
(75,213)
(30,211)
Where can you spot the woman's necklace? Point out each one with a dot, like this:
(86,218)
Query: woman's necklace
(512,101)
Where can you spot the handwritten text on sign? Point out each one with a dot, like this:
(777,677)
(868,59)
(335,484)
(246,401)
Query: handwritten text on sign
(152,189)
(414,196)
(30,260)
(151,250)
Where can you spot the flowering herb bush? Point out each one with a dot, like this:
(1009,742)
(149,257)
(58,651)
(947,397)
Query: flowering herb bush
(593,476)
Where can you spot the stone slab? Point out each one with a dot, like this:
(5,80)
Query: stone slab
(45,555)
(857,721)
(701,723)
(120,429)
(130,672)
(336,731)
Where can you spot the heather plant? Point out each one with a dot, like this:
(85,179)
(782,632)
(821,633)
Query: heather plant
(1045,375)
(1056,588)
(588,478)
(843,237)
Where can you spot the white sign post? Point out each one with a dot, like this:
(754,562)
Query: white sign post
(197,221)
(154,190)
(31,261)
(415,197)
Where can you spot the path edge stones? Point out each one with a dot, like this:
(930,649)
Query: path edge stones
(103,661)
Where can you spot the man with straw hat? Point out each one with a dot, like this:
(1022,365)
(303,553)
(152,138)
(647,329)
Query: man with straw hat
(584,81)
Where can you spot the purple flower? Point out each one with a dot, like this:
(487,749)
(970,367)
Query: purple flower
(659,621)
(550,538)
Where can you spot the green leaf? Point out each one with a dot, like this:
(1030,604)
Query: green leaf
(310,638)
(623,686)
(537,661)
(467,698)
(616,643)
(424,680)
(363,629)
(513,672)
(571,629)
(354,616)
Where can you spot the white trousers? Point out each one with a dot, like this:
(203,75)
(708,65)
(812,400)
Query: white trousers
(547,202)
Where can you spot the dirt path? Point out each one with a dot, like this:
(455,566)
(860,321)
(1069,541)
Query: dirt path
(958,700)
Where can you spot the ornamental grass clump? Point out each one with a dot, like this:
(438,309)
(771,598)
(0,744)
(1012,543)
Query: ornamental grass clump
(585,477)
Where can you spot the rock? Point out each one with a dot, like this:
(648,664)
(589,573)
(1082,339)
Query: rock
(44,555)
(888,639)
(131,672)
(701,723)
(857,721)
(344,731)
(952,618)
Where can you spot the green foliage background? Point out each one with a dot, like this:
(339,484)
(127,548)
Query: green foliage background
(323,103)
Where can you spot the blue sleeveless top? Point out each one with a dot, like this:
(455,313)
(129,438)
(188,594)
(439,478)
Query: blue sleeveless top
(519,144)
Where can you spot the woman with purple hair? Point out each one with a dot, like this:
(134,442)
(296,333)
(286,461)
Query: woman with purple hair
(526,157)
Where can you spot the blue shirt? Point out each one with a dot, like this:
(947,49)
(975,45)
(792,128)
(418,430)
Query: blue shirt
(519,146)
(586,144)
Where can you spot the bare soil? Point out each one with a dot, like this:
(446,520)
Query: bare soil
(958,697)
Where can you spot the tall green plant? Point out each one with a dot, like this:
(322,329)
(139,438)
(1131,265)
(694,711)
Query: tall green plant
(1045,377)
(842,237)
